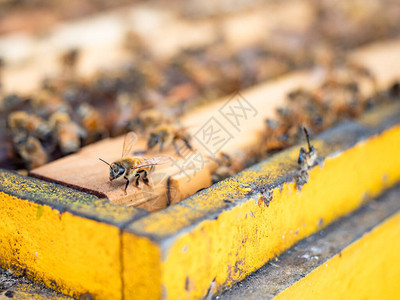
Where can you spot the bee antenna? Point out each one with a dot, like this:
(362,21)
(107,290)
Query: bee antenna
(308,138)
(104,161)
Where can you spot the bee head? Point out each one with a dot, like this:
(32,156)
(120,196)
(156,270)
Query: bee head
(153,140)
(302,156)
(116,171)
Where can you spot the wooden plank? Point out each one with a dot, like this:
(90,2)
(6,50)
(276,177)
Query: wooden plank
(261,102)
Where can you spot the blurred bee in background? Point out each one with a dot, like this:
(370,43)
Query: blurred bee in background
(17,121)
(394,90)
(126,107)
(340,100)
(228,165)
(167,134)
(20,122)
(274,137)
(44,103)
(11,102)
(31,151)
(92,123)
(148,119)
(69,61)
(305,110)
(67,133)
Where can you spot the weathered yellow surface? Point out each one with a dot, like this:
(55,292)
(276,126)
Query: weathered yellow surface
(222,248)
(367,269)
(141,260)
(72,241)
(68,253)
(67,239)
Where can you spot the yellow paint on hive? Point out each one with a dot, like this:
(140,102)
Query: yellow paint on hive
(188,248)
(69,253)
(141,260)
(245,237)
(367,269)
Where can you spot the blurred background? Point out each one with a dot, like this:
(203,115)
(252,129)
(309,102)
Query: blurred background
(74,72)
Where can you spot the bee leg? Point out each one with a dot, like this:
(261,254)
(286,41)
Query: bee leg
(177,148)
(169,191)
(126,185)
(137,177)
(144,176)
(186,141)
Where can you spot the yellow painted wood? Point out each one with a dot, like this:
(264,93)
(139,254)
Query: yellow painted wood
(369,268)
(53,248)
(141,260)
(71,243)
(201,251)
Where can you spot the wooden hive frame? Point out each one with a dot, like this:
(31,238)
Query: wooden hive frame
(78,243)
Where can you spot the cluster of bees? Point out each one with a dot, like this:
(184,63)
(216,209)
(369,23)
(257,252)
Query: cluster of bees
(69,112)
(340,97)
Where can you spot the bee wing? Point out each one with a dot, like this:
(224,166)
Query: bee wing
(156,160)
(129,141)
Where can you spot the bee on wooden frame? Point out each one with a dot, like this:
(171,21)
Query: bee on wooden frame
(228,165)
(307,159)
(149,119)
(169,134)
(134,168)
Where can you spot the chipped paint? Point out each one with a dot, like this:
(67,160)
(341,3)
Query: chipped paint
(215,237)
(64,238)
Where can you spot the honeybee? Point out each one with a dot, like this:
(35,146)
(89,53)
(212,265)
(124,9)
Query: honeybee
(307,159)
(31,151)
(228,165)
(134,168)
(274,138)
(67,132)
(148,119)
(92,122)
(169,134)
(22,122)
(69,60)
